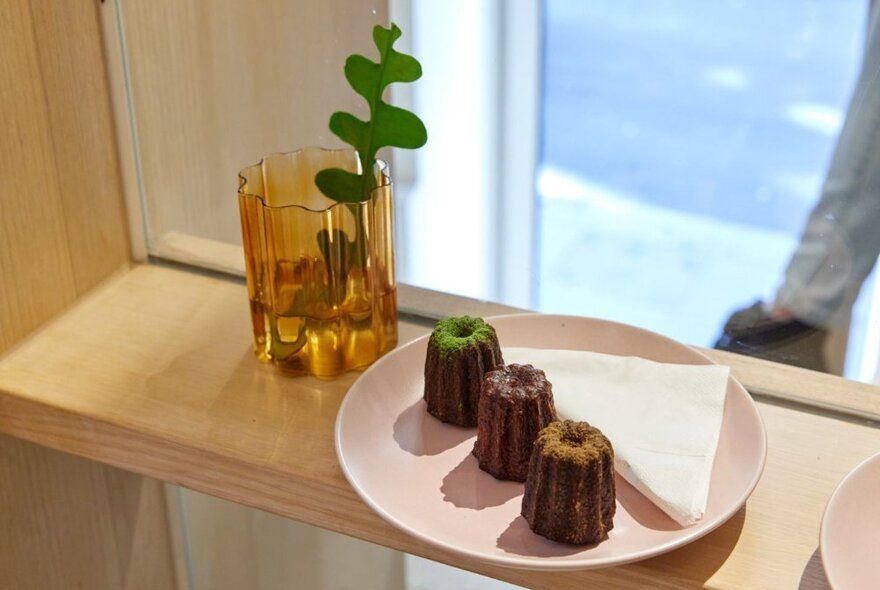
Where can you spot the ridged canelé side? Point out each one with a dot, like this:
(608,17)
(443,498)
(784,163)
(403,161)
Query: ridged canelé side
(460,352)
(569,492)
(516,402)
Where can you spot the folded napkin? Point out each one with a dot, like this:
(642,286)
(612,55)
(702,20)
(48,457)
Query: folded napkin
(663,420)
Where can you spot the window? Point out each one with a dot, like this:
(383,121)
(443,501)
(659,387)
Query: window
(684,145)
(652,164)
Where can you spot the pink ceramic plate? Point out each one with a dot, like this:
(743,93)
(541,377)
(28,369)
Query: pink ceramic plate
(419,475)
(850,537)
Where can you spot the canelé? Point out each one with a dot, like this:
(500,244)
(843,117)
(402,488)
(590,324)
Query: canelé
(461,350)
(569,493)
(516,402)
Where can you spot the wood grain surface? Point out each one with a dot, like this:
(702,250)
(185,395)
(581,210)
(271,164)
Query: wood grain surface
(178,395)
(67,522)
(62,227)
(73,523)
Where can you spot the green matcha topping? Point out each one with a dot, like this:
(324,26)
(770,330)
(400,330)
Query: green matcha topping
(453,334)
(576,442)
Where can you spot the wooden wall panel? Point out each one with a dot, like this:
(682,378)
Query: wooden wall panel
(62,224)
(66,522)
(68,36)
(72,523)
(36,278)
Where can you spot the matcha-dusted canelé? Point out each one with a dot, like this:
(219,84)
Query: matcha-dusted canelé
(460,351)
(569,492)
(516,402)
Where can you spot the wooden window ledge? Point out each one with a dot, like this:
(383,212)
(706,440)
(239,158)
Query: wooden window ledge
(154,373)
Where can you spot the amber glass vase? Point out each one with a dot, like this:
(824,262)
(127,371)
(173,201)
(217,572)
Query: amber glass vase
(320,274)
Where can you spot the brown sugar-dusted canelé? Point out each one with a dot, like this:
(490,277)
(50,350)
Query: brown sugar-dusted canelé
(460,351)
(516,402)
(569,491)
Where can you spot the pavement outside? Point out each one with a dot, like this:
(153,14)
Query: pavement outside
(684,145)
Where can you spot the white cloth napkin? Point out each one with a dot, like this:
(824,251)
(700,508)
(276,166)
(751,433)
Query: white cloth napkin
(663,420)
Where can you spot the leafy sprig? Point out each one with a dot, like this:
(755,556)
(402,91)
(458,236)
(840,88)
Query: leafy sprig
(388,126)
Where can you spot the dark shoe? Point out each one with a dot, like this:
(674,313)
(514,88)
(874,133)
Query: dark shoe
(753,332)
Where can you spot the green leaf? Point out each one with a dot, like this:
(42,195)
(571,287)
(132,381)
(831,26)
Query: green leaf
(388,126)
(340,185)
(398,67)
(350,129)
(336,250)
(364,76)
(398,127)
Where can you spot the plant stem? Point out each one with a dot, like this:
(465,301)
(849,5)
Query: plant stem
(368,159)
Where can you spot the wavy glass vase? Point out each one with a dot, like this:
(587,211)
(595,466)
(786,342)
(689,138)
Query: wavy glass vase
(320,274)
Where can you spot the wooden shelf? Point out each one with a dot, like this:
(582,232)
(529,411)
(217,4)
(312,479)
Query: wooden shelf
(154,373)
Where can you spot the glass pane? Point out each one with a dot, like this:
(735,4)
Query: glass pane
(231,547)
(215,87)
(685,145)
